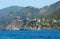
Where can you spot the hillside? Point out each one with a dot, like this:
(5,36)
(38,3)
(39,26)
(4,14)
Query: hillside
(46,17)
(53,10)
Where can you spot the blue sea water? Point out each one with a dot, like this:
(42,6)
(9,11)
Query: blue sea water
(30,34)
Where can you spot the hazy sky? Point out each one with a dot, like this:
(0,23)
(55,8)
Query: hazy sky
(34,3)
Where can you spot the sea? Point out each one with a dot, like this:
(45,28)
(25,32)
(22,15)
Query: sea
(29,34)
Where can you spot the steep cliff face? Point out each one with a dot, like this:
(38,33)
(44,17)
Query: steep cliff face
(14,25)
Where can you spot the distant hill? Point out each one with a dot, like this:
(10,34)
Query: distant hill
(7,10)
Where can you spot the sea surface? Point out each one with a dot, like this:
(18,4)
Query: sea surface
(30,34)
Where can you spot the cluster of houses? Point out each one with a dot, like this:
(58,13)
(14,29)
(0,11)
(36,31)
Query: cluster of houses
(33,24)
